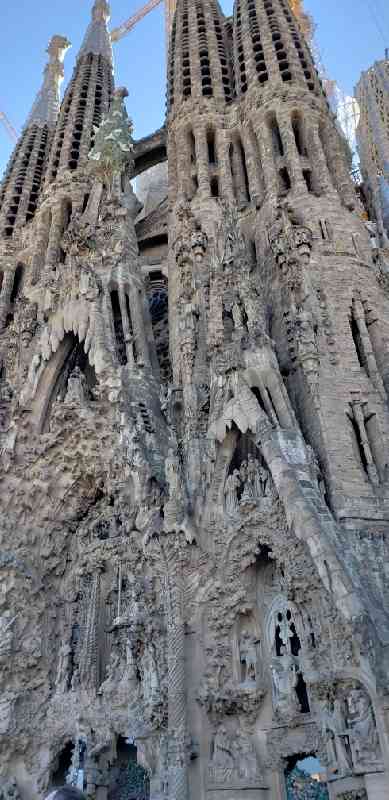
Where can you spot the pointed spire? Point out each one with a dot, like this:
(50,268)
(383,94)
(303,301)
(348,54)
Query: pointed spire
(46,106)
(97,39)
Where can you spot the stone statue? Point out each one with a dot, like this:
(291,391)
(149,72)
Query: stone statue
(150,675)
(172,471)
(6,632)
(76,391)
(262,480)
(336,735)
(362,729)
(284,673)
(248,656)
(250,488)
(231,492)
(63,667)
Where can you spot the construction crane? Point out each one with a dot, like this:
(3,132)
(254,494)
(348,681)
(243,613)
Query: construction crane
(8,127)
(127,26)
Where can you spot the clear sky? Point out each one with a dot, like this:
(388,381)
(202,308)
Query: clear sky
(351,35)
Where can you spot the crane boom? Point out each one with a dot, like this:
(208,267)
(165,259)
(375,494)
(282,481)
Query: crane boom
(7,125)
(125,28)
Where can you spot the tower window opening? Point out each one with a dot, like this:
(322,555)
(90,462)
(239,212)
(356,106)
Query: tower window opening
(297,132)
(211,147)
(285,183)
(357,341)
(121,351)
(358,440)
(245,174)
(278,147)
(214,187)
(17,284)
(307,175)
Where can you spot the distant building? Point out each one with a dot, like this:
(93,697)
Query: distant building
(372,93)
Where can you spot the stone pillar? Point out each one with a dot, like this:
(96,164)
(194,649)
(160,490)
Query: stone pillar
(377,785)
(202,162)
(238,173)
(265,146)
(138,325)
(317,158)
(177,711)
(253,167)
(52,254)
(292,156)
(127,330)
(226,185)
(5,296)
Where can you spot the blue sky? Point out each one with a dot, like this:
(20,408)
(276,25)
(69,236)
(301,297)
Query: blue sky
(351,35)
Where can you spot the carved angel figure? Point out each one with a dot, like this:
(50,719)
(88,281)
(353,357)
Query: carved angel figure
(231,492)
(248,656)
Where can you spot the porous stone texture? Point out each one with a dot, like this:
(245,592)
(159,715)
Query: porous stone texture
(194,433)
(372,93)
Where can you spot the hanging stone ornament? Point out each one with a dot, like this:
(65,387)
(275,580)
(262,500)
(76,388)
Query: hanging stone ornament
(111,154)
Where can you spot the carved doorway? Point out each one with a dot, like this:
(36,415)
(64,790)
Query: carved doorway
(61,766)
(128,780)
(305,778)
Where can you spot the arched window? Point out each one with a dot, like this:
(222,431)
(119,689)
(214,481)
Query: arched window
(159,313)
(18,282)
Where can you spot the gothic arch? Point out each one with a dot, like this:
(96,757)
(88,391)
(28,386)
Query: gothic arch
(50,376)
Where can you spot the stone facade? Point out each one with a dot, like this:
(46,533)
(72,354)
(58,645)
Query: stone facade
(372,93)
(194,433)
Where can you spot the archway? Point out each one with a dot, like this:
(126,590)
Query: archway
(128,780)
(61,766)
(53,382)
(305,778)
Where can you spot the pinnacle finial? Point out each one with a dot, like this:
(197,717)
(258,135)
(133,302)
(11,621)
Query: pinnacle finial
(101,11)
(112,150)
(46,106)
(97,39)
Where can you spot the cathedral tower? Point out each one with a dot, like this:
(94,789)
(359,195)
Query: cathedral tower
(194,594)
(24,175)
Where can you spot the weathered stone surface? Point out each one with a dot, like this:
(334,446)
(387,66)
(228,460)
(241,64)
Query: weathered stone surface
(193,439)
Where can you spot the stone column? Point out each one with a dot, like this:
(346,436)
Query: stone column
(202,162)
(238,173)
(265,146)
(138,324)
(5,296)
(317,158)
(177,711)
(127,330)
(226,185)
(292,156)
(377,785)
(52,254)
(253,167)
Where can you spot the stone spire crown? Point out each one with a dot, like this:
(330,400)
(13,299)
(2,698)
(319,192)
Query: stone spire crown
(46,105)
(97,39)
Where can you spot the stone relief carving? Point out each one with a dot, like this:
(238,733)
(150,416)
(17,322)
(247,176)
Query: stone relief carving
(350,731)
(233,759)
